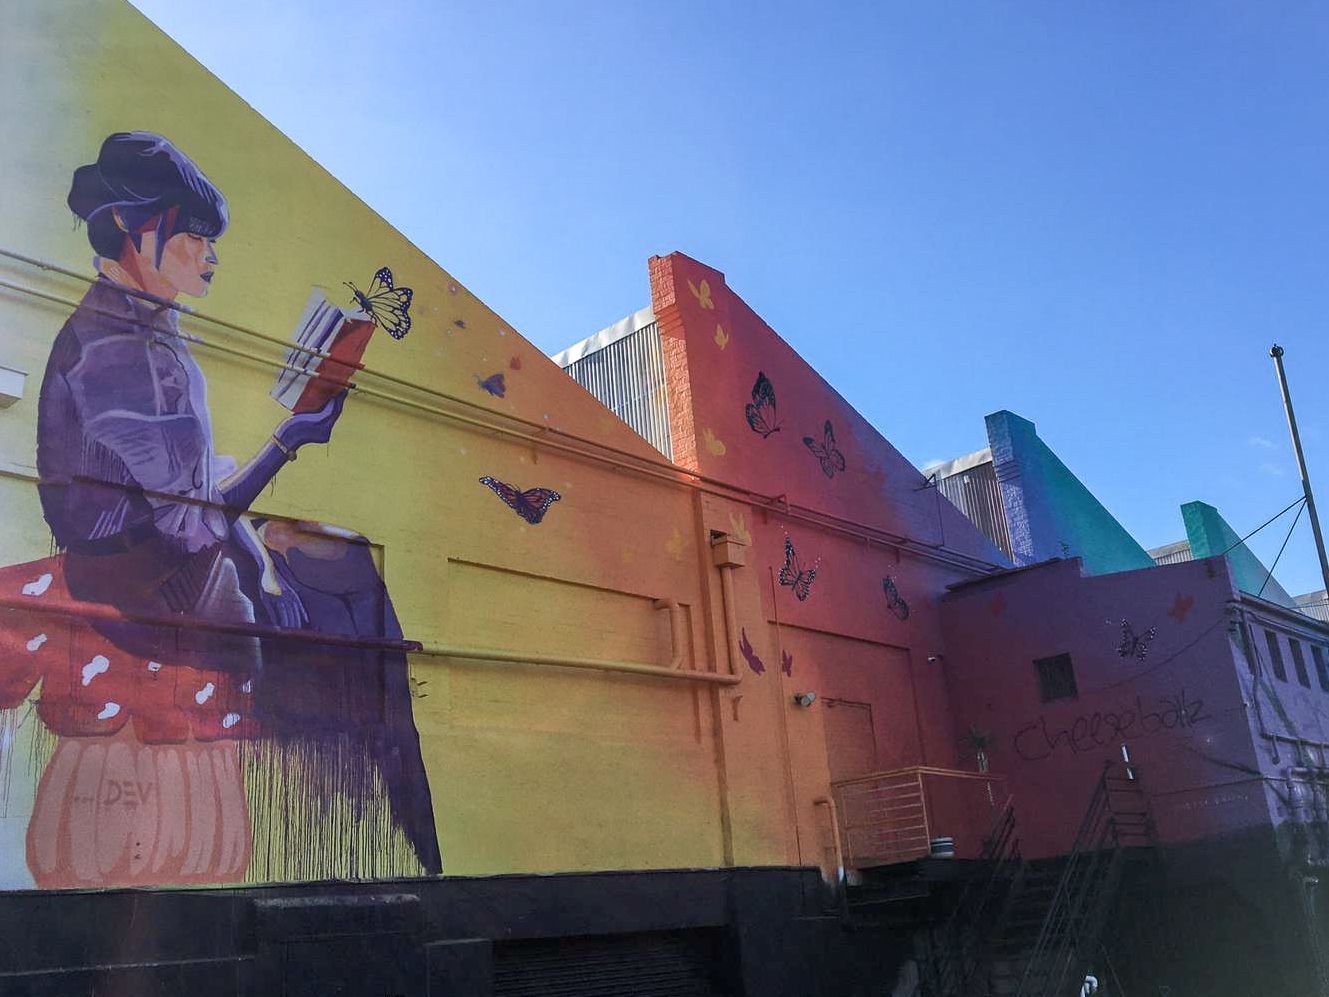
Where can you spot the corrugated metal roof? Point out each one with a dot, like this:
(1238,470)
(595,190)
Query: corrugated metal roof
(623,366)
(605,337)
(1173,553)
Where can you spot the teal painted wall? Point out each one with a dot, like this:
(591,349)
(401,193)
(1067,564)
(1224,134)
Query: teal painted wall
(1209,535)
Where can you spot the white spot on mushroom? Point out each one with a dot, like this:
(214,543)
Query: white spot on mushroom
(204,694)
(108,711)
(99,664)
(38,586)
(36,642)
(230,720)
(248,687)
(154,666)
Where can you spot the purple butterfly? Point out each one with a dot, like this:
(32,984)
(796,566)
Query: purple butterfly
(531,505)
(493,384)
(749,655)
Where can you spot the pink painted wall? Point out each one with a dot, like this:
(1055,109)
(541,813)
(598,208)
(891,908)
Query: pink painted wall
(1180,708)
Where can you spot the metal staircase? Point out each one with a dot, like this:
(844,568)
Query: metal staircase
(1116,826)
(1033,928)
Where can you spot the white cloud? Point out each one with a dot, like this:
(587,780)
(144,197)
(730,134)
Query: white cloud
(1261,442)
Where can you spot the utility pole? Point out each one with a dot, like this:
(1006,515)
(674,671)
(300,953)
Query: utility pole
(1276,352)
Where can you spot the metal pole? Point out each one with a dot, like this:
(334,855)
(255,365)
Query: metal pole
(1276,352)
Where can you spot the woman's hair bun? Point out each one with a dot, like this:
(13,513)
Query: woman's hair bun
(136,181)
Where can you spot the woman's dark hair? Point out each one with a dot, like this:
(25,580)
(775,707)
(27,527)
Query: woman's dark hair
(139,182)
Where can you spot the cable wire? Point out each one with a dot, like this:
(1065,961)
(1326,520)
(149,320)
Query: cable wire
(1270,573)
(1261,526)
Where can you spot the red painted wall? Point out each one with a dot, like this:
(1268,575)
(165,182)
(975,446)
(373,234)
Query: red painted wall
(858,516)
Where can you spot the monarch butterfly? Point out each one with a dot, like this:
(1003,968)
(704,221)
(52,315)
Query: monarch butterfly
(794,575)
(387,305)
(531,505)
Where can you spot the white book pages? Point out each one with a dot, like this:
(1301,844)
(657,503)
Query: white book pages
(313,335)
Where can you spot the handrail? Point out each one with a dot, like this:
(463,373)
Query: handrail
(1081,901)
(921,770)
(841,894)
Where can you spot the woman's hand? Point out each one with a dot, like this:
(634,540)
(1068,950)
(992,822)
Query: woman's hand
(311,427)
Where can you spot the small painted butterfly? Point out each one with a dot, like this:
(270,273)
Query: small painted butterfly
(794,575)
(1134,645)
(494,384)
(702,293)
(749,655)
(388,306)
(531,505)
(761,412)
(826,452)
(894,601)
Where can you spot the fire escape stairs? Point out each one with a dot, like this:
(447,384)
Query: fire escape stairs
(1033,928)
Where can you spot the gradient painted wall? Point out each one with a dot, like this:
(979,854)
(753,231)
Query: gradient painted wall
(528,767)
(1049,511)
(849,547)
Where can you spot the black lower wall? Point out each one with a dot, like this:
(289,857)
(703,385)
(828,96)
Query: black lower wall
(710,932)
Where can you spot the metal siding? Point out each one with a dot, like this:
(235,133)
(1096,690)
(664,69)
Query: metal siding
(628,377)
(975,492)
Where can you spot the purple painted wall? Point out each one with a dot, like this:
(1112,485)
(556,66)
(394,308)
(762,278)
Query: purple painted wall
(1156,666)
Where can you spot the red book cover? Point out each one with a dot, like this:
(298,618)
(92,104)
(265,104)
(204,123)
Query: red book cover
(328,349)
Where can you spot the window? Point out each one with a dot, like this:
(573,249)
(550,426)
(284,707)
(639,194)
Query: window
(1321,669)
(1056,678)
(1299,662)
(1276,655)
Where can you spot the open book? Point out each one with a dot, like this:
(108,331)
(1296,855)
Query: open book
(329,344)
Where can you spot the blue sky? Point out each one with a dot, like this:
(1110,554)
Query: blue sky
(1096,215)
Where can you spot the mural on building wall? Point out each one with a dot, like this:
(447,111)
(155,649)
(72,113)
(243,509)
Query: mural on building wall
(172,635)
(749,655)
(531,504)
(1135,645)
(761,413)
(825,450)
(495,384)
(895,602)
(794,575)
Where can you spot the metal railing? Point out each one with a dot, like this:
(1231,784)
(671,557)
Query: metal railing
(957,952)
(1118,818)
(890,817)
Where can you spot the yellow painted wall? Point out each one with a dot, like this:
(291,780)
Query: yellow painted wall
(531,768)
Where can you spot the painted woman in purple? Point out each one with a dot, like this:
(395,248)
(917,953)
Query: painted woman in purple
(153,523)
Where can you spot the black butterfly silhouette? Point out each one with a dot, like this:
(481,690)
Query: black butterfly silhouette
(760,412)
(531,505)
(894,601)
(388,306)
(1134,645)
(826,451)
(794,575)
